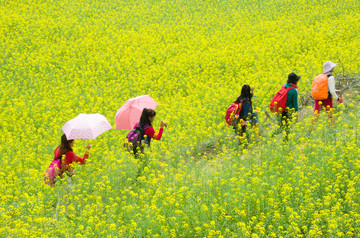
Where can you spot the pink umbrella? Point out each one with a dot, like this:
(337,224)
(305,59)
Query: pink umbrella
(86,126)
(130,112)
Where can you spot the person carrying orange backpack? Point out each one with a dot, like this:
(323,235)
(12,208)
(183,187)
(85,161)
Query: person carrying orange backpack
(323,90)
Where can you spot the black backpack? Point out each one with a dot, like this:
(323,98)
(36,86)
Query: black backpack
(135,139)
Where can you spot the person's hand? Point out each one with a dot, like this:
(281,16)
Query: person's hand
(252,90)
(243,123)
(340,100)
(88,146)
(163,124)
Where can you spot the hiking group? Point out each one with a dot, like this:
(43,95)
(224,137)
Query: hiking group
(284,103)
(240,114)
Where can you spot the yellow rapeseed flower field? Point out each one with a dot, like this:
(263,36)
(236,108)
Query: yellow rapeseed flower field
(61,58)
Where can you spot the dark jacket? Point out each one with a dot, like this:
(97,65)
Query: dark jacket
(246,108)
(293,98)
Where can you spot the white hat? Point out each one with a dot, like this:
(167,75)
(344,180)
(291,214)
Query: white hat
(328,66)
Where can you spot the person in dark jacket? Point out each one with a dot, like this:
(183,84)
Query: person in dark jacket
(246,109)
(292,103)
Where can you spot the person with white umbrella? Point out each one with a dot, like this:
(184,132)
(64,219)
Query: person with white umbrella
(84,126)
(63,159)
(65,148)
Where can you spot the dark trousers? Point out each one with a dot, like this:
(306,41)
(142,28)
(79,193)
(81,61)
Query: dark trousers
(285,123)
(244,137)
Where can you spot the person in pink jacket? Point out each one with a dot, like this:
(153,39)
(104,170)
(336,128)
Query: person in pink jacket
(64,157)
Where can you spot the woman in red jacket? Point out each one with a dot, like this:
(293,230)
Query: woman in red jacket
(146,120)
(63,164)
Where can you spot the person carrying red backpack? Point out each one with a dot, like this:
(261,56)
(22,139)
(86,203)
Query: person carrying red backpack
(246,110)
(291,105)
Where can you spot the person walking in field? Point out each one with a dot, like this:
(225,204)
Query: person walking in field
(241,112)
(146,120)
(60,164)
(246,110)
(143,132)
(288,98)
(323,91)
(146,132)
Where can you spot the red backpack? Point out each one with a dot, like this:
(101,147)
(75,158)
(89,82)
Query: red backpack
(232,114)
(278,103)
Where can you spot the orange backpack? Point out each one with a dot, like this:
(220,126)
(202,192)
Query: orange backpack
(319,90)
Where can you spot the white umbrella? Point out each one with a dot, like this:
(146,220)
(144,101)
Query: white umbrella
(86,126)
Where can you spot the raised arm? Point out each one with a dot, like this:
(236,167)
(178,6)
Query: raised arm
(152,133)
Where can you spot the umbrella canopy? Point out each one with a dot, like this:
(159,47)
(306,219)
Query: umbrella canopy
(86,126)
(127,116)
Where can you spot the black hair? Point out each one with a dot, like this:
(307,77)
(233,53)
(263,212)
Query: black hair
(144,119)
(245,94)
(65,145)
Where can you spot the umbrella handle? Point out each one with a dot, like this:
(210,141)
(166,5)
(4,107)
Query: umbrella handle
(88,146)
